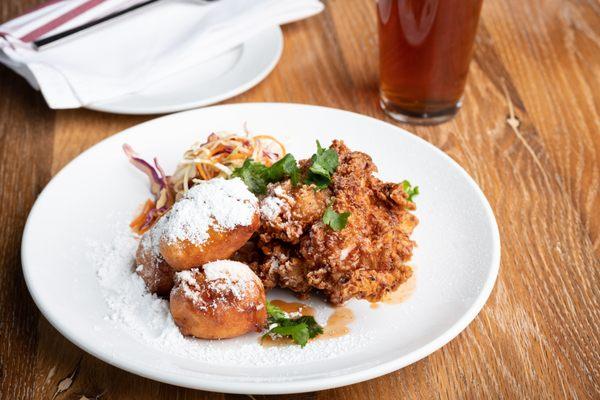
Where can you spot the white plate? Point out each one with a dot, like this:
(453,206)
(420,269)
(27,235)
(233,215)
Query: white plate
(456,261)
(223,77)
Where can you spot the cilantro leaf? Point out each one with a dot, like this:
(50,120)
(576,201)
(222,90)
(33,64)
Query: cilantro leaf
(311,324)
(320,181)
(410,191)
(257,176)
(314,328)
(324,164)
(336,221)
(254,176)
(299,329)
(284,168)
(298,333)
(275,312)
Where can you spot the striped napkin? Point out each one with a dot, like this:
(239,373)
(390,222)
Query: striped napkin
(131,52)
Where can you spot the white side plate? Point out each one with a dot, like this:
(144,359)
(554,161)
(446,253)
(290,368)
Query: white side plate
(223,77)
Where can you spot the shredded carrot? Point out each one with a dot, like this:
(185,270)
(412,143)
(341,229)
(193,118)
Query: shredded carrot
(138,222)
(220,148)
(201,171)
(238,156)
(221,154)
(269,137)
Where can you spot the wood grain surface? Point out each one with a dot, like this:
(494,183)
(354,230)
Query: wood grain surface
(529,133)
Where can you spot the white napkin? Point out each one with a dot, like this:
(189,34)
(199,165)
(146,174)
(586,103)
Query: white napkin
(131,52)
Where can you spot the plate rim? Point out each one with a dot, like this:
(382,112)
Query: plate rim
(275,56)
(279,387)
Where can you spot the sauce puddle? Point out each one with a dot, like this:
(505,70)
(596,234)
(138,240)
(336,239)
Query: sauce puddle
(293,307)
(337,323)
(290,308)
(402,294)
(268,341)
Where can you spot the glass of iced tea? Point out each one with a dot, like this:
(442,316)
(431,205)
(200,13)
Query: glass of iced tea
(425,48)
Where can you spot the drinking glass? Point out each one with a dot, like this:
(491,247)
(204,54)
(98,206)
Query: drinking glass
(425,47)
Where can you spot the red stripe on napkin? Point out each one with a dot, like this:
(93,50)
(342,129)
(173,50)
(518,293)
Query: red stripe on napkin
(58,21)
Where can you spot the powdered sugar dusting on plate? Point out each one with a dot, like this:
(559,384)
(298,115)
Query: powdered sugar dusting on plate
(147,318)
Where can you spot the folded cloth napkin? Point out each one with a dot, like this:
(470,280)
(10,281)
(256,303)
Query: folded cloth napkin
(133,51)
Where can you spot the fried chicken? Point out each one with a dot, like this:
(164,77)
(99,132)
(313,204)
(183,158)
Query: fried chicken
(288,212)
(294,249)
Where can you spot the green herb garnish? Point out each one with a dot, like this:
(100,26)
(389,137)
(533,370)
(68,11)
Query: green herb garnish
(410,191)
(336,221)
(284,168)
(253,174)
(324,164)
(275,312)
(256,175)
(299,329)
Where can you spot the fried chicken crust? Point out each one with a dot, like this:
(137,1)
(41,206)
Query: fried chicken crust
(367,259)
(299,208)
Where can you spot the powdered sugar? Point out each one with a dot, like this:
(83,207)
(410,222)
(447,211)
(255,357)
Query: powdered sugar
(151,240)
(278,190)
(231,271)
(227,281)
(270,207)
(147,317)
(187,282)
(226,276)
(276,207)
(218,203)
(345,251)
(187,277)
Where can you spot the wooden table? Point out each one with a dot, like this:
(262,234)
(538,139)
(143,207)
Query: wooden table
(538,335)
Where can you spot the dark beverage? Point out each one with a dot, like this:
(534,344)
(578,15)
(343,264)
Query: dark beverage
(425,48)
